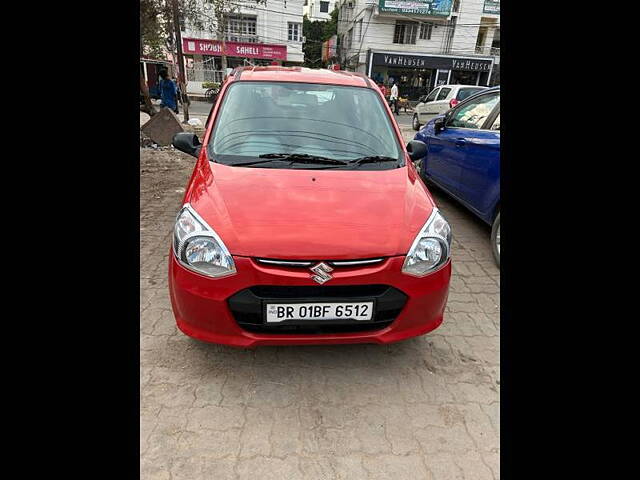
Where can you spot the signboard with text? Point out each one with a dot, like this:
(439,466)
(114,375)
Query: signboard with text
(434,8)
(492,6)
(234,49)
(432,62)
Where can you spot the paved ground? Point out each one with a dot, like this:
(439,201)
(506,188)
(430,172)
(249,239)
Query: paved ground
(426,408)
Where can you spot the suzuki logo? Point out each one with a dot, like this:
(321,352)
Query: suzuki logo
(321,271)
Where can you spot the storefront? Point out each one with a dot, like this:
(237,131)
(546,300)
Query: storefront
(203,59)
(418,74)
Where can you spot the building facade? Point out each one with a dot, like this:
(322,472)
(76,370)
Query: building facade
(255,35)
(421,43)
(318,9)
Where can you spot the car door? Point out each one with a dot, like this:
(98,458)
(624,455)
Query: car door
(447,149)
(441,105)
(480,168)
(423,108)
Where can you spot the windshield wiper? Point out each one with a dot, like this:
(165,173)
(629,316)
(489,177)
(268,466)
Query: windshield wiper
(303,158)
(372,159)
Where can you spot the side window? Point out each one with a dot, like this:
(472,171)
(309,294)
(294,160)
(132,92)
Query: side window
(474,113)
(443,93)
(496,123)
(432,96)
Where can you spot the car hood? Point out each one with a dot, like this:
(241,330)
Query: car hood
(311,214)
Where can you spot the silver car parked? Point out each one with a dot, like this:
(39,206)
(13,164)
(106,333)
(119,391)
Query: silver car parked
(440,100)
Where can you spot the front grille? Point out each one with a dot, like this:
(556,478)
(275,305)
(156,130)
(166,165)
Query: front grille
(247,307)
(363,262)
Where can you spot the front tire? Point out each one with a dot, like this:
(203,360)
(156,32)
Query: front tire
(495,239)
(415,123)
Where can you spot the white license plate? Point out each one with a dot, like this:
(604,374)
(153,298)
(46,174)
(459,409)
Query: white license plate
(280,312)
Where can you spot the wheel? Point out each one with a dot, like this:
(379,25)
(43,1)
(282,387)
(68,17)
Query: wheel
(495,239)
(416,122)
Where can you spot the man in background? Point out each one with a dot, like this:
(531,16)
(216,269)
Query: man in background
(394,97)
(168,92)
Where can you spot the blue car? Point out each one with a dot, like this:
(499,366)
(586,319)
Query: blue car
(463,157)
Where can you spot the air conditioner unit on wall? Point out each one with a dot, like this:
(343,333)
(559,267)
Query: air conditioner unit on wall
(349,4)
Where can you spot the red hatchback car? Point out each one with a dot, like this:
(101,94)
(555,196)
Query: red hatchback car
(305,221)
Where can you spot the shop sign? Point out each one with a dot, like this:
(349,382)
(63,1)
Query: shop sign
(430,62)
(492,6)
(234,49)
(437,8)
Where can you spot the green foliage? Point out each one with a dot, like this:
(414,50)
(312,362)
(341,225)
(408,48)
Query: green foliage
(210,85)
(316,33)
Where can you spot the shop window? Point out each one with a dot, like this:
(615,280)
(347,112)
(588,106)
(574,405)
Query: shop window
(405,32)
(443,93)
(324,7)
(295,32)
(425,31)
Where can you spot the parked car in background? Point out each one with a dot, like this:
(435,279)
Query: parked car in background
(311,227)
(440,100)
(463,157)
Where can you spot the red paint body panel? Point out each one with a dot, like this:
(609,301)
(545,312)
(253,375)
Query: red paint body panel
(200,303)
(306,215)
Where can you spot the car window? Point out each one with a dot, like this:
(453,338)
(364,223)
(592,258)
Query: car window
(467,92)
(443,93)
(496,123)
(338,122)
(474,113)
(431,97)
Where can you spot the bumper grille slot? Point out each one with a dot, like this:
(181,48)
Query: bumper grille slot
(309,263)
(247,307)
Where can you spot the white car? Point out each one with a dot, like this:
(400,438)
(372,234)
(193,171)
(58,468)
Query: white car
(440,100)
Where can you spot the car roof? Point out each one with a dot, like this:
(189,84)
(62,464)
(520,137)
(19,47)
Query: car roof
(300,74)
(461,86)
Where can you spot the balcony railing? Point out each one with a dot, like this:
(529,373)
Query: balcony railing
(486,50)
(237,37)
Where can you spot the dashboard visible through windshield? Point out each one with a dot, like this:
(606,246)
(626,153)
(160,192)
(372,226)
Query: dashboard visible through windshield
(303,125)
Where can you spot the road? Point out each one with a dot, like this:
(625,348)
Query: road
(426,408)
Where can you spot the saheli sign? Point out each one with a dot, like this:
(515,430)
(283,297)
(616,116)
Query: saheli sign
(434,8)
(234,49)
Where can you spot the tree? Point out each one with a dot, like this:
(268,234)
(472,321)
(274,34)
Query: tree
(316,33)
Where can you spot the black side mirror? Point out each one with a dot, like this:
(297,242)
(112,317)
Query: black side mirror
(438,124)
(416,149)
(422,99)
(187,142)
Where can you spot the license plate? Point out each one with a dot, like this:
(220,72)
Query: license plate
(280,312)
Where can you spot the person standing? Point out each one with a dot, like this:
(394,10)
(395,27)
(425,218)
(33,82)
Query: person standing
(394,97)
(168,92)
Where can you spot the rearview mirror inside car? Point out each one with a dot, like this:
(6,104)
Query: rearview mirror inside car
(416,149)
(187,142)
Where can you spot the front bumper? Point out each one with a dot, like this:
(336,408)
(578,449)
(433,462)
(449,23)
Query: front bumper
(212,309)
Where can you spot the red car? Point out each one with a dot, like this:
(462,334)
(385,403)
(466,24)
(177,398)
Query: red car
(305,221)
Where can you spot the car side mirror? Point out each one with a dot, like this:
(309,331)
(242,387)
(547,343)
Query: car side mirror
(416,149)
(187,142)
(423,99)
(438,124)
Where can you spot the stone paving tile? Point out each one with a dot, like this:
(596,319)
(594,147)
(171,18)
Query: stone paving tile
(426,408)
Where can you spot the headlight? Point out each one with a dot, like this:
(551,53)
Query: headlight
(198,248)
(431,248)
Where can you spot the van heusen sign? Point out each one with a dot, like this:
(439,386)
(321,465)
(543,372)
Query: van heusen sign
(438,8)
(429,62)
(234,49)
(492,6)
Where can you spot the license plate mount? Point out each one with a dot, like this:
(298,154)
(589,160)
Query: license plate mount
(308,312)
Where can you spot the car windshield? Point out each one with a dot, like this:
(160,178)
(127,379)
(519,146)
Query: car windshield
(467,92)
(288,121)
